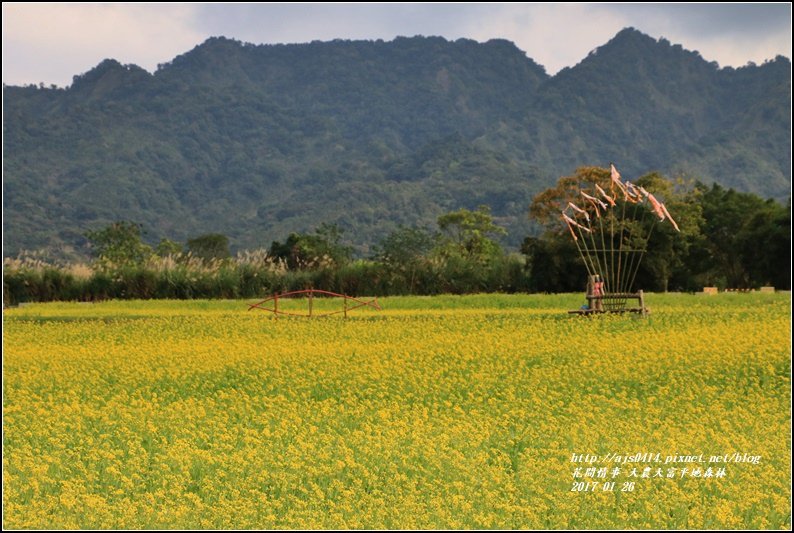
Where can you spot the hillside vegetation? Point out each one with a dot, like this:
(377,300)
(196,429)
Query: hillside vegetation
(256,142)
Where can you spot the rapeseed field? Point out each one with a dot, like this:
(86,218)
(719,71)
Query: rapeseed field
(485,411)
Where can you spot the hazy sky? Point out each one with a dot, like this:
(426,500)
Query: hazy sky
(50,43)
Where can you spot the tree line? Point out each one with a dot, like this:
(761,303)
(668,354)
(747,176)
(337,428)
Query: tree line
(728,239)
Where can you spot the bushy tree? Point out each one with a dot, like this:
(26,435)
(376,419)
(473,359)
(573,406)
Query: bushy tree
(405,251)
(210,246)
(167,247)
(666,248)
(404,246)
(766,245)
(323,248)
(119,244)
(467,234)
(748,239)
(553,265)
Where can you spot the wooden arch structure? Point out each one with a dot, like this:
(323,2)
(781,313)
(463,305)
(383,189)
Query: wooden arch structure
(349,303)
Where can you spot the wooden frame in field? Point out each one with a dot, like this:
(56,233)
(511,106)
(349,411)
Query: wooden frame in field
(310,295)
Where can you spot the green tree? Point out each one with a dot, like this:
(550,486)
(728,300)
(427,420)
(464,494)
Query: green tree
(546,205)
(766,245)
(323,248)
(553,263)
(748,238)
(405,251)
(210,246)
(167,247)
(668,249)
(119,244)
(466,233)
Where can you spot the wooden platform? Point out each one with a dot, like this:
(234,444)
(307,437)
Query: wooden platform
(642,311)
(610,299)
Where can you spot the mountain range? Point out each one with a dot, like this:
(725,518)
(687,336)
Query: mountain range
(257,141)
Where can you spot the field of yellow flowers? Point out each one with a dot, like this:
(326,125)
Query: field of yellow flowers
(486,411)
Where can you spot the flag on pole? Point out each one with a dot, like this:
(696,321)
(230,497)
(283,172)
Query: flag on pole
(634,192)
(569,220)
(605,195)
(657,206)
(616,181)
(568,224)
(594,200)
(614,172)
(666,212)
(579,210)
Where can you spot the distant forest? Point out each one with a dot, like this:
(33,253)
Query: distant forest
(373,138)
(726,239)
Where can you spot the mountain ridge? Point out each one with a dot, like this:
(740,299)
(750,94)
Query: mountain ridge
(256,141)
